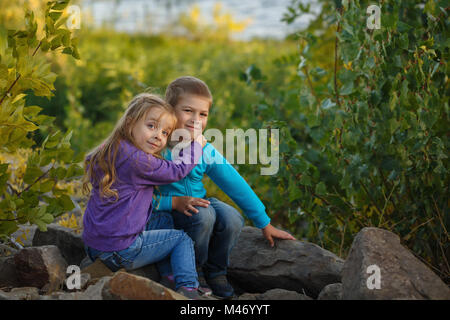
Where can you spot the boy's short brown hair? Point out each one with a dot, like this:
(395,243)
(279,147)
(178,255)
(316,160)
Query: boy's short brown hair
(187,85)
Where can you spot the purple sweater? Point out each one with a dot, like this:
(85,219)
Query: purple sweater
(113,226)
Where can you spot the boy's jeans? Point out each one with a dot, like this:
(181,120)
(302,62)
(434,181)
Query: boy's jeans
(170,249)
(215,231)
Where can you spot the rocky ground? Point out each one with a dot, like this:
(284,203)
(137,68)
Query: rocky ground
(377,267)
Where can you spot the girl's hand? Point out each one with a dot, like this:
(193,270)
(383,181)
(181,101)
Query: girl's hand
(270,232)
(201,140)
(185,204)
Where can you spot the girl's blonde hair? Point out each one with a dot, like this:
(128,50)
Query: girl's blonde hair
(104,155)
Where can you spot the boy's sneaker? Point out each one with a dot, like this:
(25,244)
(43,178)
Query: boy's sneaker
(191,293)
(221,288)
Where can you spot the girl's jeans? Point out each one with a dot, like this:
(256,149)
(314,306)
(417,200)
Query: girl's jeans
(170,249)
(214,230)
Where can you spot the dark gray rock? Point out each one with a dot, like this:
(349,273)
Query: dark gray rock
(292,265)
(42,267)
(97,291)
(331,292)
(401,274)
(275,294)
(4,295)
(23,293)
(8,275)
(68,241)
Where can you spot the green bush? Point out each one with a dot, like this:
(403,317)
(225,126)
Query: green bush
(30,173)
(365,142)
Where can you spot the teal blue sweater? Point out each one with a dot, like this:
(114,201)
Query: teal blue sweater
(224,175)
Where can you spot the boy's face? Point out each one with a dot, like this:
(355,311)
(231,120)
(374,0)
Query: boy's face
(150,133)
(192,113)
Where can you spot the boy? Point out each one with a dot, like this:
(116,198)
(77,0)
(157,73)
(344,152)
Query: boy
(213,225)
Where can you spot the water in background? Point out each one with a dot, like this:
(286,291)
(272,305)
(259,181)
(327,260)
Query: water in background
(154,15)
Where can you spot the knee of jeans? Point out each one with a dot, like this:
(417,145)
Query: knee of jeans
(187,238)
(234,222)
(205,217)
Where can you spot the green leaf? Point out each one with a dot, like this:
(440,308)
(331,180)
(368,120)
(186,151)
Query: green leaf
(46,186)
(403,27)
(321,188)
(67,50)
(294,191)
(39,87)
(50,24)
(56,42)
(31,174)
(346,89)
(47,218)
(75,53)
(3,168)
(74,170)
(66,203)
(60,5)
(305,180)
(55,15)
(61,21)
(31,111)
(52,140)
(298,164)
(60,173)
(393,101)
(45,45)
(41,225)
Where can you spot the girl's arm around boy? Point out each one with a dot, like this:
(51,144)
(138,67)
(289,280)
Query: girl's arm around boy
(150,170)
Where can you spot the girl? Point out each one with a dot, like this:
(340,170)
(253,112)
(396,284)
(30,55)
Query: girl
(123,172)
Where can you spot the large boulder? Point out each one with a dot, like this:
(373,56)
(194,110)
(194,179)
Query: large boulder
(378,267)
(67,240)
(41,267)
(291,265)
(126,286)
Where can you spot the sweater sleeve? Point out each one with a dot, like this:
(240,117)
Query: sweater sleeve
(163,203)
(233,184)
(149,170)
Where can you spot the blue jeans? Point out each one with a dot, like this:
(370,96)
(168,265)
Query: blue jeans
(170,249)
(214,230)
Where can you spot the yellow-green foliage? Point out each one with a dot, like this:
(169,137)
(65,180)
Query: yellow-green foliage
(30,172)
(222,27)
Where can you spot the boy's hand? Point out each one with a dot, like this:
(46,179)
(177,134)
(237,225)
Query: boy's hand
(270,232)
(185,204)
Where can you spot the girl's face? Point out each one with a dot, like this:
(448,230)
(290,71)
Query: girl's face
(192,113)
(150,133)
